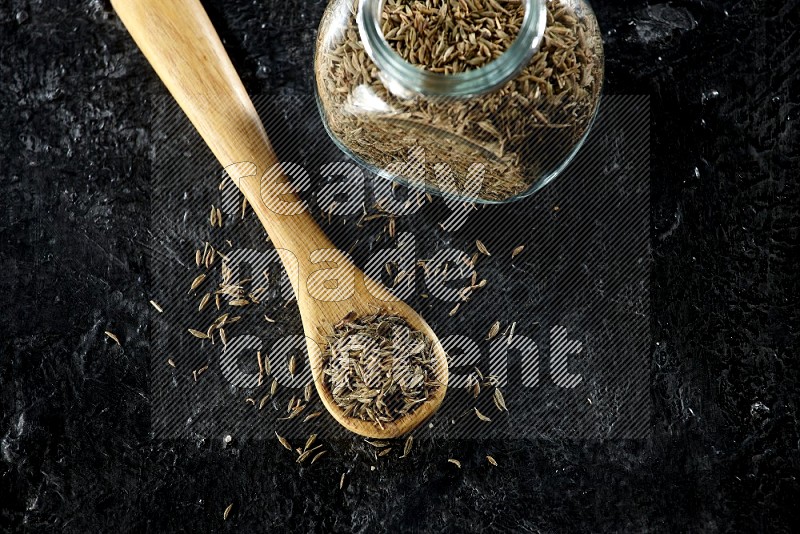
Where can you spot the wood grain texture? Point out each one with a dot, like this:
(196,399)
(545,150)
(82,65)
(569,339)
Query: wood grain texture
(179,41)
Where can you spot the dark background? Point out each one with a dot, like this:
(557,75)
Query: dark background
(75,141)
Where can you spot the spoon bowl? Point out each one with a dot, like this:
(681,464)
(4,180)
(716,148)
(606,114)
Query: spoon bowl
(404,424)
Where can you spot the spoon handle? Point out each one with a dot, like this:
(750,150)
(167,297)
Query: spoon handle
(179,41)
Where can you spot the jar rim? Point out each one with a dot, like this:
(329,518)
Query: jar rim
(406,79)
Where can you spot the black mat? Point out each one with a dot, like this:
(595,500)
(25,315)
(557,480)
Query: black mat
(75,450)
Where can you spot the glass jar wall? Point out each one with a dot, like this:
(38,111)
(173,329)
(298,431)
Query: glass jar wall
(486,100)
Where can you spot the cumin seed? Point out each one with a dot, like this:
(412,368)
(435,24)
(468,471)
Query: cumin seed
(482,417)
(283,441)
(113,337)
(407,446)
(198,334)
(495,328)
(499,401)
(196,282)
(311,416)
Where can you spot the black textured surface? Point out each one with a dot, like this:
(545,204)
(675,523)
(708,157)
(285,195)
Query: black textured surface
(74,169)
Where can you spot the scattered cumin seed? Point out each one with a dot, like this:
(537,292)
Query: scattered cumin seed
(158,308)
(317,456)
(516,252)
(170,362)
(482,248)
(511,332)
(198,334)
(292,365)
(407,446)
(198,258)
(495,328)
(196,373)
(473,261)
(491,460)
(454,462)
(454,310)
(311,416)
(478,372)
(283,441)
(273,388)
(204,301)
(499,401)
(295,412)
(311,439)
(113,337)
(227,512)
(197,281)
(342,480)
(481,416)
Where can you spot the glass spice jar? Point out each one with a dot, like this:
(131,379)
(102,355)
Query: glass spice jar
(483,100)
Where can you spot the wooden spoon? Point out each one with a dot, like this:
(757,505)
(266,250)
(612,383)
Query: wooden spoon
(180,43)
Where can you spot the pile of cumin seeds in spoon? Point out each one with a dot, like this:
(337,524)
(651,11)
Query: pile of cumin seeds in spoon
(378,368)
(520,132)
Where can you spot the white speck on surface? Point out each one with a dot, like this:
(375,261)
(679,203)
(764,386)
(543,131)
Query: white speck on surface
(758,409)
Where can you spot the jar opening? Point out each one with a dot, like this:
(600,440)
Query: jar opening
(407,80)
